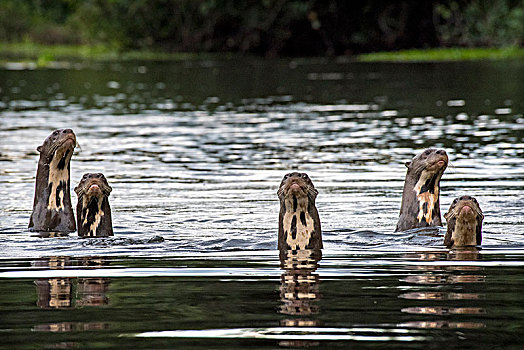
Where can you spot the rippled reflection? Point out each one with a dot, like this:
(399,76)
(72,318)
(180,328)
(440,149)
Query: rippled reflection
(441,296)
(446,277)
(71,327)
(54,293)
(442,324)
(57,293)
(443,310)
(299,290)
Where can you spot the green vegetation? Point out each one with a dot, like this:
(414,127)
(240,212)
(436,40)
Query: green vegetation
(44,54)
(445,54)
(269,28)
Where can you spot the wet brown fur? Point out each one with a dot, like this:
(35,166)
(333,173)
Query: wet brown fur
(93,211)
(421,195)
(52,210)
(298,222)
(464,226)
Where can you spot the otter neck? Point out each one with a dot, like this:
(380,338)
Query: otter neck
(298,224)
(427,192)
(420,200)
(92,216)
(464,232)
(58,179)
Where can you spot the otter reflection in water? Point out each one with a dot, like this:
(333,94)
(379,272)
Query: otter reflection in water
(57,293)
(420,198)
(52,210)
(298,222)
(54,293)
(464,219)
(456,297)
(299,291)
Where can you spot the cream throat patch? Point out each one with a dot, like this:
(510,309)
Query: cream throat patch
(58,179)
(298,224)
(427,196)
(97,216)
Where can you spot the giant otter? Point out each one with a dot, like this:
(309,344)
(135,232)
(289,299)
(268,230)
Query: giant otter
(420,198)
(93,211)
(52,209)
(464,219)
(298,222)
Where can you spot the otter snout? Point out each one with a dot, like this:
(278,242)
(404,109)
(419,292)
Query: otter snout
(296,184)
(466,210)
(438,159)
(93,184)
(94,190)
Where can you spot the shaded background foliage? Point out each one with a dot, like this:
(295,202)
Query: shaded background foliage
(268,27)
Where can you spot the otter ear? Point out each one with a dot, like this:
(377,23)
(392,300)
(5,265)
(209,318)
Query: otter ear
(407,164)
(40,148)
(110,189)
(77,189)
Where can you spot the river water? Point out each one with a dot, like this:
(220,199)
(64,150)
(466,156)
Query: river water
(195,152)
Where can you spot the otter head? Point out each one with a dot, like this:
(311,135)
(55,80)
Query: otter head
(428,167)
(297,185)
(93,210)
(93,187)
(420,199)
(55,154)
(299,223)
(57,148)
(464,219)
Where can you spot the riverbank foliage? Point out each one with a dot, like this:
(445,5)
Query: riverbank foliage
(44,55)
(445,54)
(268,27)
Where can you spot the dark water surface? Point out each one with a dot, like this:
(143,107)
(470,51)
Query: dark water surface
(195,151)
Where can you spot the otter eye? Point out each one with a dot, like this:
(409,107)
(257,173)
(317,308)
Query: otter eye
(455,201)
(427,152)
(474,200)
(85,176)
(286,176)
(55,132)
(304,176)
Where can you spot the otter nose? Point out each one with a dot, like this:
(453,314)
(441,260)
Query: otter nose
(466,209)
